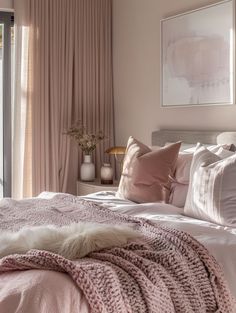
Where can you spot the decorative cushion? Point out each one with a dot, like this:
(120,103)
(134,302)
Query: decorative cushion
(212,190)
(178,194)
(223,153)
(180,181)
(146,173)
(212,148)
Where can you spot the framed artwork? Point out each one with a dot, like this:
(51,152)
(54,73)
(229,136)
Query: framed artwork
(197,57)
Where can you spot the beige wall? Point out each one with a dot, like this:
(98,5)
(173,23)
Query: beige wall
(136,51)
(6,4)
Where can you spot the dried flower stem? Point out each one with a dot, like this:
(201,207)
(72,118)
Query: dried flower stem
(86,141)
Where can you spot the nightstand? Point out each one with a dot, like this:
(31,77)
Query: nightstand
(84,188)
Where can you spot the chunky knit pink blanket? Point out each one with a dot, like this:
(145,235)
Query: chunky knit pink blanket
(166,271)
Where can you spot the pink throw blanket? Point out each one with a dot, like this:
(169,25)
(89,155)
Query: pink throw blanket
(166,271)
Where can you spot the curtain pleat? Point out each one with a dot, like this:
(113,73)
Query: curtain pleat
(69,80)
(21,141)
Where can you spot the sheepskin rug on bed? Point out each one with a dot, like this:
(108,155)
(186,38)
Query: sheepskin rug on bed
(73,241)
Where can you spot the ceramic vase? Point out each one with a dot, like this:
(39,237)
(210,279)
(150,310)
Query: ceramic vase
(87,169)
(106,174)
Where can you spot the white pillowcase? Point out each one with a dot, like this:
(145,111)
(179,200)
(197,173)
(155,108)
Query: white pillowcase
(212,148)
(180,181)
(212,190)
(223,153)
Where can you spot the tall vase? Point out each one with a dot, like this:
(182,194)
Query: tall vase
(87,169)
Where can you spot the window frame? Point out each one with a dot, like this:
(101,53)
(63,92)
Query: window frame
(7,18)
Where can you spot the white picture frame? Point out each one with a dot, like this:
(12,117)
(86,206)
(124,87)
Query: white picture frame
(197,57)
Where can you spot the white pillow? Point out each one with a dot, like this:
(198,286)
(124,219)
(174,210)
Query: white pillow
(178,194)
(223,153)
(212,148)
(179,186)
(212,190)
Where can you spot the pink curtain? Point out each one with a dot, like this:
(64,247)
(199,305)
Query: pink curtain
(69,79)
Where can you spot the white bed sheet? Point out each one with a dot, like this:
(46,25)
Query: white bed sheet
(219,240)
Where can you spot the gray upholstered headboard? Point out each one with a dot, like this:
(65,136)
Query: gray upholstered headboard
(160,137)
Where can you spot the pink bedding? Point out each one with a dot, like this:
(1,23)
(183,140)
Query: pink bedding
(40,291)
(166,271)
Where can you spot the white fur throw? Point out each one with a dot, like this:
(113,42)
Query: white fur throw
(73,241)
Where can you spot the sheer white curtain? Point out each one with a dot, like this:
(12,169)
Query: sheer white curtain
(63,74)
(21,161)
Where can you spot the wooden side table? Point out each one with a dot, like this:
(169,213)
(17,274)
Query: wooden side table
(84,188)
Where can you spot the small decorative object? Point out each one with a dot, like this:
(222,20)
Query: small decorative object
(118,152)
(87,142)
(107,174)
(87,169)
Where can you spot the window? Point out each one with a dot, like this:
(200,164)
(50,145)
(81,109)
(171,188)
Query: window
(6,81)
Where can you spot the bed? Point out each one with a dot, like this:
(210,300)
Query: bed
(40,290)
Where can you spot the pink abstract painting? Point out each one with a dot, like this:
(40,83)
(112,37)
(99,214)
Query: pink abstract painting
(197,57)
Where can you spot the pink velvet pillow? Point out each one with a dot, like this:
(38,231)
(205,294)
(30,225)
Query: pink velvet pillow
(146,173)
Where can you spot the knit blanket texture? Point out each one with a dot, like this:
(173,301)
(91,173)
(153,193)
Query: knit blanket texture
(166,270)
